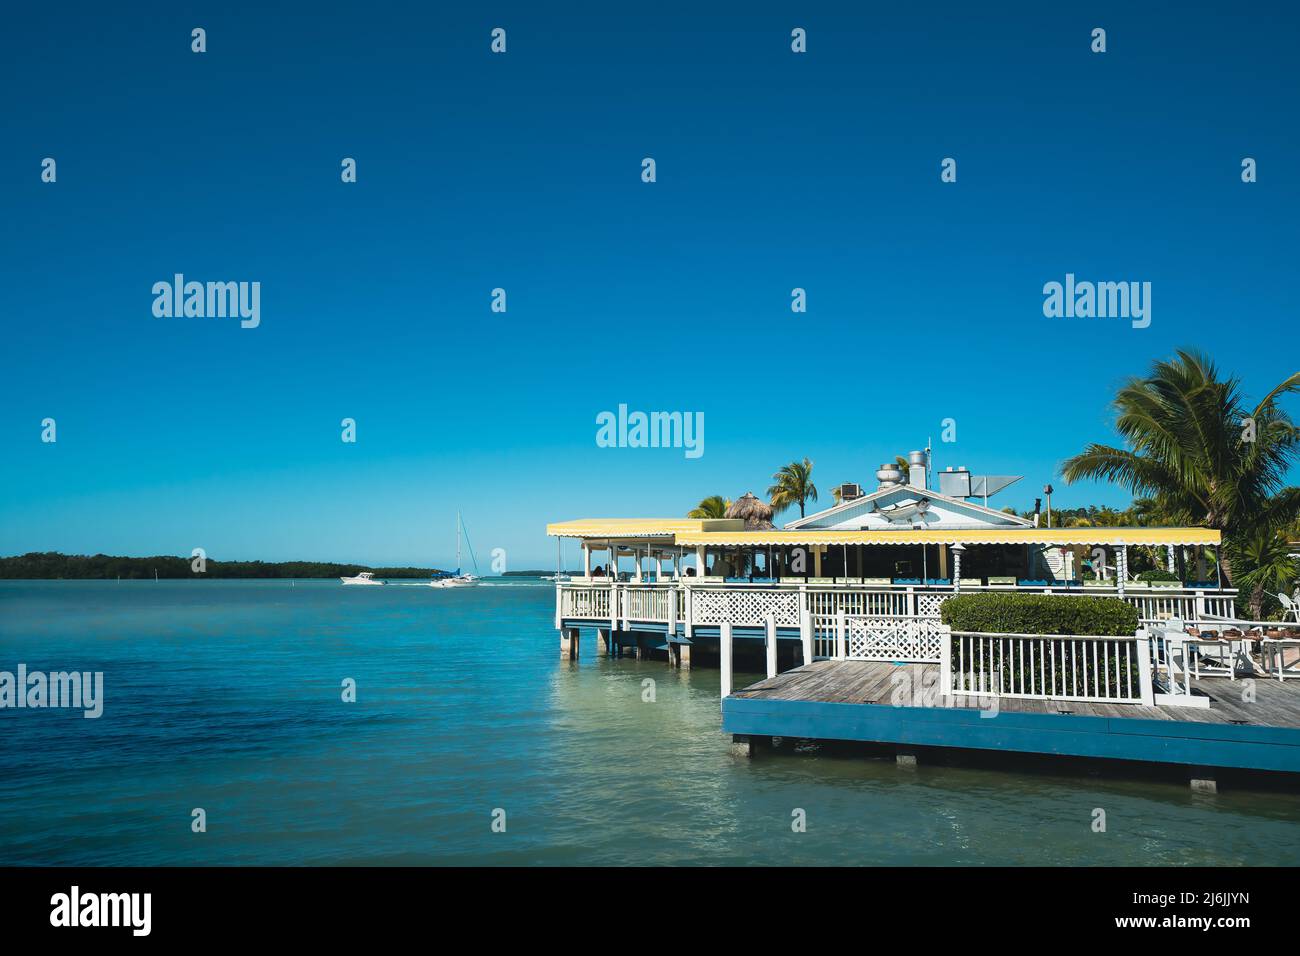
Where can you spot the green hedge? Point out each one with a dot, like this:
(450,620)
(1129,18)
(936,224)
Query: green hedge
(1040,614)
(1157,576)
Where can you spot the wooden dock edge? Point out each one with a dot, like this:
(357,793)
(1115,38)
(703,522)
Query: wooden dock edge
(1154,741)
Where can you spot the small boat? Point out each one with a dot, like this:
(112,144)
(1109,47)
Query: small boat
(365,577)
(560,574)
(455,579)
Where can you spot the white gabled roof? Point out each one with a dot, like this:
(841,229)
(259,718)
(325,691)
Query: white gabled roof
(1002,518)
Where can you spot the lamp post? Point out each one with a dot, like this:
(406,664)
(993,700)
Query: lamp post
(1047,490)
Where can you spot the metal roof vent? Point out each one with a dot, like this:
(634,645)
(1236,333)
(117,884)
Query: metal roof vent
(889,476)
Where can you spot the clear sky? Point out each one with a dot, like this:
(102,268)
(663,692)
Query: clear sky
(775,170)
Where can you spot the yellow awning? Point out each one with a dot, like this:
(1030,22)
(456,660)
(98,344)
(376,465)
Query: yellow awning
(1044,536)
(642,527)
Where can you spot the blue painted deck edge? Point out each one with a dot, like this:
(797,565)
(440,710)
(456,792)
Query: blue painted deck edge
(1120,738)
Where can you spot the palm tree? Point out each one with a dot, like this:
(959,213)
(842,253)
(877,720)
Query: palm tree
(1267,556)
(714,506)
(793,485)
(1187,435)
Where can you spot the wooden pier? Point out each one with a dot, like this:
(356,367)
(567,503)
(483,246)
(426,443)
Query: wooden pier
(1249,723)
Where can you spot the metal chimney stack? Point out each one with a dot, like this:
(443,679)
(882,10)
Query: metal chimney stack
(917,463)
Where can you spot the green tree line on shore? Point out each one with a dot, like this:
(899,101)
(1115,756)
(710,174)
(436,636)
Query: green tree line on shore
(52,564)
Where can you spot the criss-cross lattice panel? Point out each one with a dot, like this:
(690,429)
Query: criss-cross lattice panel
(891,639)
(709,607)
(744,607)
(927,605)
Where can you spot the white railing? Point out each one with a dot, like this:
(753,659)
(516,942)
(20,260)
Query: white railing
(708,602)
(585,603)
(1048,667)
(646,603)
(892,639)
(749,607)
(1157,606)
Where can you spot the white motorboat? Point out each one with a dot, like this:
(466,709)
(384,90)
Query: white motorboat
(365,577)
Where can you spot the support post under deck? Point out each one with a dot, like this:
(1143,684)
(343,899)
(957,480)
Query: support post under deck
(570,639)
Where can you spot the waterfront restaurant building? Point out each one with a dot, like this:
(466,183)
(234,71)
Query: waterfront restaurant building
(884,560)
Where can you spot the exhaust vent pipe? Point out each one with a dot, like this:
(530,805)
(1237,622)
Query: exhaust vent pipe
(889,476)
(918,462)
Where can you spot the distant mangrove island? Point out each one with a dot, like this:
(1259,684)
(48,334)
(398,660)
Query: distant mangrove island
(51,564)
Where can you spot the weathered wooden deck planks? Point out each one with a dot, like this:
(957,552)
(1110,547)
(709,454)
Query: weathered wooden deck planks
(855,700)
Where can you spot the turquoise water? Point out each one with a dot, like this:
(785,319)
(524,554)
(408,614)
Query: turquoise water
(225,695)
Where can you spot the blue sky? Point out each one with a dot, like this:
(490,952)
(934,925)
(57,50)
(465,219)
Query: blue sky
(522,171)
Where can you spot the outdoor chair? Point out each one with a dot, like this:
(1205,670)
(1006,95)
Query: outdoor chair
(1289,607)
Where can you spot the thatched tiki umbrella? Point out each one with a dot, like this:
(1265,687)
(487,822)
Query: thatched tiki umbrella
(757,515)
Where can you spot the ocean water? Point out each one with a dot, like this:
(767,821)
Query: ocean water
(226,695)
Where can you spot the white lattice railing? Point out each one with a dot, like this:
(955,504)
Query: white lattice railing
(892,639)
(1048,667)
(744,607)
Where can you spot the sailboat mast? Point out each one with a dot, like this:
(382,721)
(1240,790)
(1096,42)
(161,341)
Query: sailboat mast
(458,542)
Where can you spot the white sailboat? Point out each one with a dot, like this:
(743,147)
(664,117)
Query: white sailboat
(365,577)
(560,574)
(457,579)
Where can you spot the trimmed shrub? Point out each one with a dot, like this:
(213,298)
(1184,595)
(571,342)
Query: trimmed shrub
(1157,576)
(1040,614)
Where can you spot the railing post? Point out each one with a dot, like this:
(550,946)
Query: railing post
(690,609)
(945,659)
(771,644)
(672,609)
(724,657)
(1144,668)
(806,634)
(613,607)
(559,598)
(1199,605)
(841,635)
